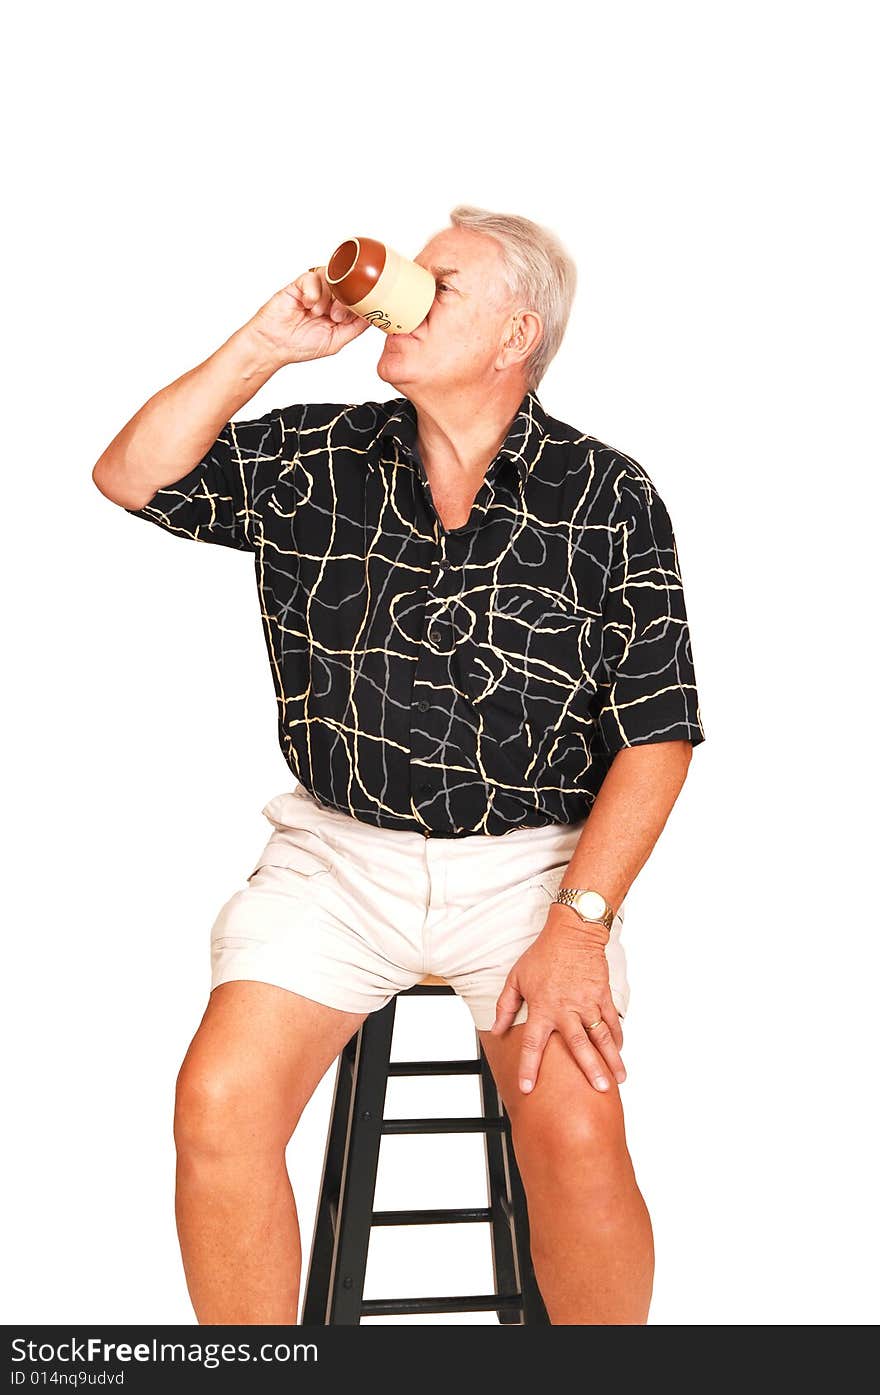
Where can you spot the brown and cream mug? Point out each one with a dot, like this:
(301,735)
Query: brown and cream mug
(379,284)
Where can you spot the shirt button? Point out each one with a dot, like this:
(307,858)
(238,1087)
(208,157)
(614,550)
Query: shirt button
(426,787)
(434,636)
(423,705)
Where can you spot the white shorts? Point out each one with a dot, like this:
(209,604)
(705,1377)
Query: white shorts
(349,914)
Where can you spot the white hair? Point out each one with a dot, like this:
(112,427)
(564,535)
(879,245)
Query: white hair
(537,270)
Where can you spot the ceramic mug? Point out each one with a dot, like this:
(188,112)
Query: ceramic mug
(379,284)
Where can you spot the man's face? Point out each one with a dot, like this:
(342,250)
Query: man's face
(457,343)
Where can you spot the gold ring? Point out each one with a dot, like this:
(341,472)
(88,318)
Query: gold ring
(597,1023)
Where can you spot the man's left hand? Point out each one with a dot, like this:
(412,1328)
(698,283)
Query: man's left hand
(563,976)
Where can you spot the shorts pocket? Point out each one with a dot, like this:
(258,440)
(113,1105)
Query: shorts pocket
(550,881)
(308,862)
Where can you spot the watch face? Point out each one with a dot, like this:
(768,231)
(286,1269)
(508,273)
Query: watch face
(591,905)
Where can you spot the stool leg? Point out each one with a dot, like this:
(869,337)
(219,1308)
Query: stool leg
(361,1165)
(534,1312)
(501,1230)
(511,1247)
(317,1290)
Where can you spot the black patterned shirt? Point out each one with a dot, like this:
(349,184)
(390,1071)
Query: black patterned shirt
(450,681)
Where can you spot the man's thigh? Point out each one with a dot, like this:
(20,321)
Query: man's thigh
(258,1053)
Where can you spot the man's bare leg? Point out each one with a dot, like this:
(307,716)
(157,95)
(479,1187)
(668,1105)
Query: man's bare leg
(592,1243)
(251,1068)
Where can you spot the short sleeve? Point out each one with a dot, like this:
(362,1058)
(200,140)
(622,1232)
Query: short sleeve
(217,501)
(649,691)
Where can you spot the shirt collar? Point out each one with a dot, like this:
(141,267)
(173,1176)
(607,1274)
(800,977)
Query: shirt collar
(521,445)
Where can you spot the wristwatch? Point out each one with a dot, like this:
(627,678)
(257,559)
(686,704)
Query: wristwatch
(590,905)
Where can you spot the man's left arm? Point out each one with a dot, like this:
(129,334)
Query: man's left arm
(563,975)
(627,818)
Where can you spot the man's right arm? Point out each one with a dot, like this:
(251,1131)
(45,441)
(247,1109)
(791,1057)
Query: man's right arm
(176,427)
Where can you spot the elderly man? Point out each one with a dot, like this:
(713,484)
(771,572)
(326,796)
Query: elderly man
(479,645)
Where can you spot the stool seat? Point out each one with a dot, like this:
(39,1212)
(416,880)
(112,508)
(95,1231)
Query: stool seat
(334,1292)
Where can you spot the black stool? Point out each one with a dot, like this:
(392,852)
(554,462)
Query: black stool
(345,1216)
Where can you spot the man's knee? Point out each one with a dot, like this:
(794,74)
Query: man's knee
(220,1112)
(578,1151)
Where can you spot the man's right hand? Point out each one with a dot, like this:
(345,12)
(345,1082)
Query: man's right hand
(304,320)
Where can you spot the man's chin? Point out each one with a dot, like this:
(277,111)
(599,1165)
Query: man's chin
(390,372)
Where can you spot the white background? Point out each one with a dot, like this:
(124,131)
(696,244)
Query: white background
(710,169)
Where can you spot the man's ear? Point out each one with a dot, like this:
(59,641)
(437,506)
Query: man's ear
(522,335)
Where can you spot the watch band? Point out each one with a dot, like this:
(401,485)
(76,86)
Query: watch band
(568,895)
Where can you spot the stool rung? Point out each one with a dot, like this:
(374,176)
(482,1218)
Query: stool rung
(444,1216)
(469,1066)
(463,1125)
(472,1303)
